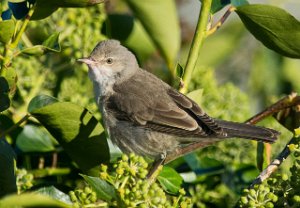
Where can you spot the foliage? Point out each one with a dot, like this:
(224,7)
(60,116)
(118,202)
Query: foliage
(50,120)
(281,190)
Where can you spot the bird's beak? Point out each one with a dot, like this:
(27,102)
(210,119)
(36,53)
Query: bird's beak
(87,61)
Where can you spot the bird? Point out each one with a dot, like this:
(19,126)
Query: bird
(144,115)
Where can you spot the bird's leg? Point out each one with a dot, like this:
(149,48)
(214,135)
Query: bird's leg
(156,164)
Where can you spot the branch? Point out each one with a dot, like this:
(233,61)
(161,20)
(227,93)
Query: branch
(273,166)
(199,36)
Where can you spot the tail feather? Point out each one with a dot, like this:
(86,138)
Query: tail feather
(248,131)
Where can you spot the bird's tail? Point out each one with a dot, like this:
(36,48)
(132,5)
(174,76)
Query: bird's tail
(248,131)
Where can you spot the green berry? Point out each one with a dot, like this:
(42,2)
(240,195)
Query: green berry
(87,190)
(285,177)
(296,199)
(244,200)
(269,205)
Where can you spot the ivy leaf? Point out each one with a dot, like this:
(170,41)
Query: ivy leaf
(170,180)
(7,28)
(104,190)
(75,128)
(273,26)
(7,167)
(54,193)
(34,139)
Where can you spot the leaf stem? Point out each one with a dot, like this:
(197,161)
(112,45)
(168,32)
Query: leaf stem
(25,118)
(199,36)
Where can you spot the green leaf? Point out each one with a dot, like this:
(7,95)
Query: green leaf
(170,180)
(179,70)
(41,11)
(237,3)
(54,193)
(4,98)
(34,139)
(217,5)
(40,101)
(31,200)
(166,33)
(7,167)
(196,96)
(77,131)
(274,27)
(69,3)
(103,189)
(7,28)
(50,44)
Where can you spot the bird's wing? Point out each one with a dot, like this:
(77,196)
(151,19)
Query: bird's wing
(160,108)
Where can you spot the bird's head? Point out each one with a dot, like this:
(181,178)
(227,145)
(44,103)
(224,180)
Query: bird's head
(110,62)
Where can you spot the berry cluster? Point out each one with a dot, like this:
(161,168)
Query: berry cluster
(281,190)
(135,190)
(83,197)
(24,180)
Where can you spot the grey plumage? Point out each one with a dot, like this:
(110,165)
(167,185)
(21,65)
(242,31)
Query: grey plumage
(142,114)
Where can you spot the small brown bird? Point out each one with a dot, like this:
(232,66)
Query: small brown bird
(144,115)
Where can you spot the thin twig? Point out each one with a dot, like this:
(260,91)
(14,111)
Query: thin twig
(284,103)
(273,166)
(221,21)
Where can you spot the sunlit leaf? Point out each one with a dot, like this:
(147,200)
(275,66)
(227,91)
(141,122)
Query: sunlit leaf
(104,190)
(274,27)
(40,101)
(170,180)
(166,33)
(54,193)
(77,131)
(7,28)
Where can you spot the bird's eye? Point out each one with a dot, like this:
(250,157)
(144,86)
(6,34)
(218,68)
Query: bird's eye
(109,61)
